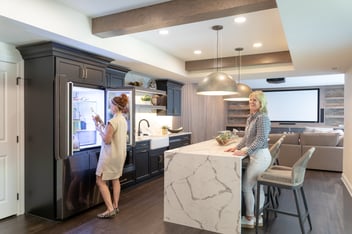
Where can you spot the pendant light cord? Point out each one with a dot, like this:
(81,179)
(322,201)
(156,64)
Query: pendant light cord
(239,66)
(217,50)
(239,61)
(217,28)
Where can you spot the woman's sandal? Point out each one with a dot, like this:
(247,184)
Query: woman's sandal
(107,215)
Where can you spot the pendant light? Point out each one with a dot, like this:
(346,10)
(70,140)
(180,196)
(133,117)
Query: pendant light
(217,83)
(243,89)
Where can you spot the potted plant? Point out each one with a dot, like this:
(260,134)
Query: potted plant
(164,130)
(146,99)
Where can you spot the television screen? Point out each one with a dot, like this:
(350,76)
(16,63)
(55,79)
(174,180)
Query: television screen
(293,105)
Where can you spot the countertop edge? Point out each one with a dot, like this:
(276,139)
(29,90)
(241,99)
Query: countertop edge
(148,138)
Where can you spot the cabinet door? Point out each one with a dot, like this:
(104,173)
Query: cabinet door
(156,161)
(141,157)
(94,193)
(76,176)
(69,69)
(80,72)
(177,101)
(142,165)
(154,164)
(129,171)
(173,91)
(115,79)
(94,75)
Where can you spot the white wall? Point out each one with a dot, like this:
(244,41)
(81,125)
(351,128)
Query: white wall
(347,151)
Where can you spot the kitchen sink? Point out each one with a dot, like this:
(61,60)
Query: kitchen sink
(157,142)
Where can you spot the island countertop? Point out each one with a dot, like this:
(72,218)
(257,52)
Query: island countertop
(202,187)
(210,147)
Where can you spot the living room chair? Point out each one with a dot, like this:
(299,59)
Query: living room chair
(290,178)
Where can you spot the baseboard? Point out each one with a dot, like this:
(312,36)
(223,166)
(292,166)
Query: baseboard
(347,184)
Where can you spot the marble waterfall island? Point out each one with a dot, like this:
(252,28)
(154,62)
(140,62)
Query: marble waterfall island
(202,187)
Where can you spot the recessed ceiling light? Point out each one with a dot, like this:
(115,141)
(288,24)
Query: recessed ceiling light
(257,45)
(240,19)
(197,52)
(163,32)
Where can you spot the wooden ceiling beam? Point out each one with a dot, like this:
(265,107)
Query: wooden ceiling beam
(173,13)
(282,57)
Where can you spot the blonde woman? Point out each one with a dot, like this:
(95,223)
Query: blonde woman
(254,144)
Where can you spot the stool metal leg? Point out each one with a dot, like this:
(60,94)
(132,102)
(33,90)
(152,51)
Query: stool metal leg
(257,209)
(299,213)
(306,208)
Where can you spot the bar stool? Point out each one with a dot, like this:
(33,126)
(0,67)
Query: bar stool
(290,178)
(275,151)
(273,193)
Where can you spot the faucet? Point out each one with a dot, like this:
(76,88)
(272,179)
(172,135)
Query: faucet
(139,126)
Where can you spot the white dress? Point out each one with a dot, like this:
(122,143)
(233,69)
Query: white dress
(112,157)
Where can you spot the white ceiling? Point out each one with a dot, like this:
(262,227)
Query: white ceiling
(317,34)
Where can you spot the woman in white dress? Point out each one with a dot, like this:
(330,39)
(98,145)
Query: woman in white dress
(112,155)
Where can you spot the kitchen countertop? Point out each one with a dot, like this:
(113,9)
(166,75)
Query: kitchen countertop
(148,138)
(202,187)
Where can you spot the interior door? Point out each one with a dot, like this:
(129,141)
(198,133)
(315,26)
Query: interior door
(8,140)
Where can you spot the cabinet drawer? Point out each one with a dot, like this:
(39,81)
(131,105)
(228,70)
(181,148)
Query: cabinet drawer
(142,146)
(179,141)
(128,177)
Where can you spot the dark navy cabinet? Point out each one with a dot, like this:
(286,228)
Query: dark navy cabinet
(141,156)
(174,94)
(115,76)
(179,141)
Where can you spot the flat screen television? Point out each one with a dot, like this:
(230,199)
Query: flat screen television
(290,106)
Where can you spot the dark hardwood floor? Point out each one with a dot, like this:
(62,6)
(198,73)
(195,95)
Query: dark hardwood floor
(142,212)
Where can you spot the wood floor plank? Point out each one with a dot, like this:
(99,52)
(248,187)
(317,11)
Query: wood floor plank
(142,212)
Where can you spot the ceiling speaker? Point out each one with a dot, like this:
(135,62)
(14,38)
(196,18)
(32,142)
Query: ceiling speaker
(275,80)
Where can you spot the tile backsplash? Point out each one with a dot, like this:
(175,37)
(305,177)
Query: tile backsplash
(155,122)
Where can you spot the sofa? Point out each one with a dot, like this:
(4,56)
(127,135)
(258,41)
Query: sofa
(328,153)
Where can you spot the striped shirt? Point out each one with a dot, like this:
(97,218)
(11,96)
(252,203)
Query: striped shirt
(256,133)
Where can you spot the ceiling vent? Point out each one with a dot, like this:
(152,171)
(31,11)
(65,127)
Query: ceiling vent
(275,80)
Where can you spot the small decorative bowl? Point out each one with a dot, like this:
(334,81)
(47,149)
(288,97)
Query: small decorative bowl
(175,130)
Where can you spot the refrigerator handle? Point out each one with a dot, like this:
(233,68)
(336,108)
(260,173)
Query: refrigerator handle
(69,139)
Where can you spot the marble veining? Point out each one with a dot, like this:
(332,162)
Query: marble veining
(202,187)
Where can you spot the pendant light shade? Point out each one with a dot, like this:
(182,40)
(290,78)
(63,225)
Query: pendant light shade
(243,89)
(242,95)
(217,83)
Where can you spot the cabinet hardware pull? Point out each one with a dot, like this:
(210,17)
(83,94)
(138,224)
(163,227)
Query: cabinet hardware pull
(69,146)
(81,71)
